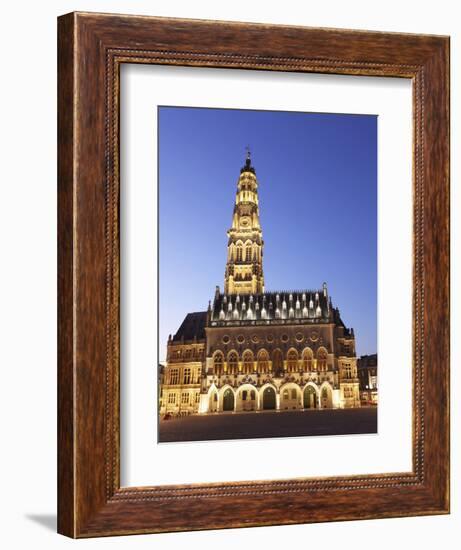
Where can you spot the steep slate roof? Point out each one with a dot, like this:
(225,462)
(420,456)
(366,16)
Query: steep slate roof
(192,327)
(308,305)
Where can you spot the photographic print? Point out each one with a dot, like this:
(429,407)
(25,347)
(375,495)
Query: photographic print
(267,274)
(223,252)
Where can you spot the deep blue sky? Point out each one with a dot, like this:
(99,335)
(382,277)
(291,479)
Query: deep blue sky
(317,177)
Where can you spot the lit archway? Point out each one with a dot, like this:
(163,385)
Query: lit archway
(290,397)
(247,398)
(228,400)
(269,399)
(326,396)
(310,398)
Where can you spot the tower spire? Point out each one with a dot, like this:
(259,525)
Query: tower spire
(248,153)
(247,167)
(244,272)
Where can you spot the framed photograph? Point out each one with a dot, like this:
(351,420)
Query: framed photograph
(255,350)
(253,275)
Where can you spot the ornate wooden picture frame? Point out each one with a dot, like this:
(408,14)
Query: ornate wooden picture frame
(92,48)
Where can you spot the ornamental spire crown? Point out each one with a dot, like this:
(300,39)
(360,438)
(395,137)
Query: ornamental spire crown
(247,167)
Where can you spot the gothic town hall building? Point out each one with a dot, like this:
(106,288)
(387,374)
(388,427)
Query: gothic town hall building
(256,350)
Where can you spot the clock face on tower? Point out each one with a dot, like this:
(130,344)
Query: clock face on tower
(245,221)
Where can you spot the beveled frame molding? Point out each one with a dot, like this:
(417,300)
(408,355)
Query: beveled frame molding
(91,48)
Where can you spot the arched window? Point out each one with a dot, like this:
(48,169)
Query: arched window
(277,361)
(292,360)
(218,363)
(232,363)
(263,361)
(239,252)
(247,362)
(322,357)
(307,360)
(247,255)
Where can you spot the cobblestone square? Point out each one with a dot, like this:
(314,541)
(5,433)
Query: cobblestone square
(249,425)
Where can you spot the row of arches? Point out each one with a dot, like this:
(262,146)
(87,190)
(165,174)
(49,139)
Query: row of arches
(290,397)
(245,195)
(244,252)
(265,363)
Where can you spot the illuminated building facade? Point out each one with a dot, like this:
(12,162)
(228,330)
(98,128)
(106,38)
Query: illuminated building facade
(367,370)
(256,350)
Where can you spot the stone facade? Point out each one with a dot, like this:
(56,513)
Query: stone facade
(182,377)
(367,370)
(255,350)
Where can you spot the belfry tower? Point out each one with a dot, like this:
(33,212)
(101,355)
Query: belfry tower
(244,267)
